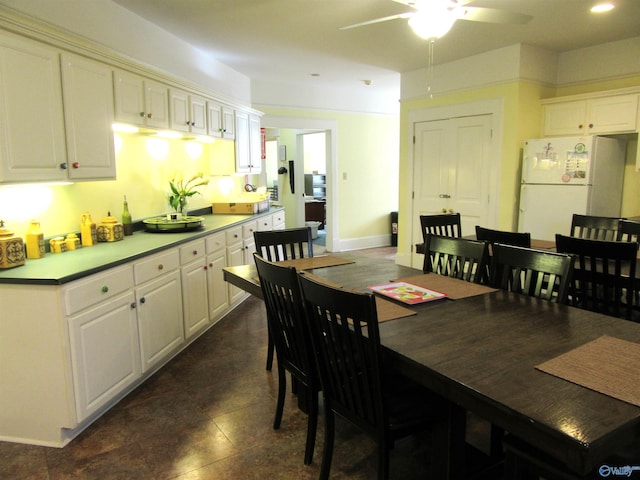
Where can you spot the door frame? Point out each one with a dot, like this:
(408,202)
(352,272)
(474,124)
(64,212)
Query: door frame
(330,127)
(493,107)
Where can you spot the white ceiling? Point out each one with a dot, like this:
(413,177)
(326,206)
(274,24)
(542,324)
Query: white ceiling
(288,40)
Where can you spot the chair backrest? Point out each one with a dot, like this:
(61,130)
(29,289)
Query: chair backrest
(278,245)
(456,257)
(517,239)
(594,228)
(343,327)
(604,275)
(628,231)
(537,273)
(445,225)
(285,316)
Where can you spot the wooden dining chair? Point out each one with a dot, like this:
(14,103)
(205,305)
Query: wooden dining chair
(356,384)
(456,257)
(604,275)
(285,315)
(518,239)
(594,227)
(445,225)
(279,245)
(537,273)
(628,231)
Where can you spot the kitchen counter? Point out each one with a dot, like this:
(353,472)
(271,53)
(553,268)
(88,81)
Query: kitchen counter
(59,268)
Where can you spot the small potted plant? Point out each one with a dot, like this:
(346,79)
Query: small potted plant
(181,190)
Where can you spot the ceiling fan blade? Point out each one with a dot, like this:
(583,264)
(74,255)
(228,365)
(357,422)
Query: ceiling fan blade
(377,20)
(492,15)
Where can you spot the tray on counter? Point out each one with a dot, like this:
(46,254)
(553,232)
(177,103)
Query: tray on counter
(163,224)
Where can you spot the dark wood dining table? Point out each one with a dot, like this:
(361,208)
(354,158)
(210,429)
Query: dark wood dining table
(480,353)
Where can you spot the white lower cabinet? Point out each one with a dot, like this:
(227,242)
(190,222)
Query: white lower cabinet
(159,304)
(193,273)
(105,353)
(235,256)
(217,291)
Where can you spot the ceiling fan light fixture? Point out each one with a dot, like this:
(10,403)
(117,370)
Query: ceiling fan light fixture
(433,23)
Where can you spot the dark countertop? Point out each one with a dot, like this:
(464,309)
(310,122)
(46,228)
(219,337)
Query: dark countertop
(59,268)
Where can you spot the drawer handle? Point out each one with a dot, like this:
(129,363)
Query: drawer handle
(160,266)
(104,289)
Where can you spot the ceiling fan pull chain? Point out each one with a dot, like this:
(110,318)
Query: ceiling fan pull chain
(430,69)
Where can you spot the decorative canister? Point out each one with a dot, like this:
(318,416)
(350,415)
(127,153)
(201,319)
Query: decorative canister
(34,240)
(110,230)
(11,248)
(57,245)
(72,242)
(88,231)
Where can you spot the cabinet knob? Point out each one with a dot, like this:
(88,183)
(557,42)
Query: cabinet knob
(149,115)
(206,267)
(133,305)
(142,114)
(195,252)
(591,125)
(63,166)
(211,265)
(75,164)
(104,289)
(580,126)
(160,266)
(142,300)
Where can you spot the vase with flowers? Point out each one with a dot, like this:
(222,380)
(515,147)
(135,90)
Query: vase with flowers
(182,189)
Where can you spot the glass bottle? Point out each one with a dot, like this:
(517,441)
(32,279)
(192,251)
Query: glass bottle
(127,225)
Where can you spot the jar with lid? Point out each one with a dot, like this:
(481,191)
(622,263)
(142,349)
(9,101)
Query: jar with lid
(110,229)
(11,248)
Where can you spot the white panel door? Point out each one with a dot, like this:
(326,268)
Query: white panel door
(451,172)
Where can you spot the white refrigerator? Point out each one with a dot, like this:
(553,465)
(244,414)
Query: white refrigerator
(566,175)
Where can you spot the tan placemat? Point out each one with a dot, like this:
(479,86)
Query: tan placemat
(390,311)
(315,262)
(543,244)
(607,365)
(386,310)
(453,287)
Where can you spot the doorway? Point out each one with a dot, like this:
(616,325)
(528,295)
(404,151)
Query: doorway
(292,133)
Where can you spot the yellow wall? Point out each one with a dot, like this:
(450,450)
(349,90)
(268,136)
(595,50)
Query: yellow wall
(522,120)
(367,153)
(141,177)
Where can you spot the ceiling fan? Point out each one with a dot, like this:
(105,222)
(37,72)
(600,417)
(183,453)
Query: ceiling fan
(432,19)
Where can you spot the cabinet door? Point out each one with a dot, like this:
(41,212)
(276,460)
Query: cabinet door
(129,98)
(32,139)
(179,110)
(218,293)
(255,144)
(160,321)
(565,118)
(615,114)
(88,111)
(214,119)
(228,123)
(156,100)
(105,353)
(198,115)
(243,159)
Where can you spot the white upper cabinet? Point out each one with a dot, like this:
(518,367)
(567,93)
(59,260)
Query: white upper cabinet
(221,120)
(603,115)
(248,144)
(188,113)
(32,137)
(88,110)
(140,101)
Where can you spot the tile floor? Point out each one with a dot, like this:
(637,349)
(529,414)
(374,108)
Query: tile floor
(208,415)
